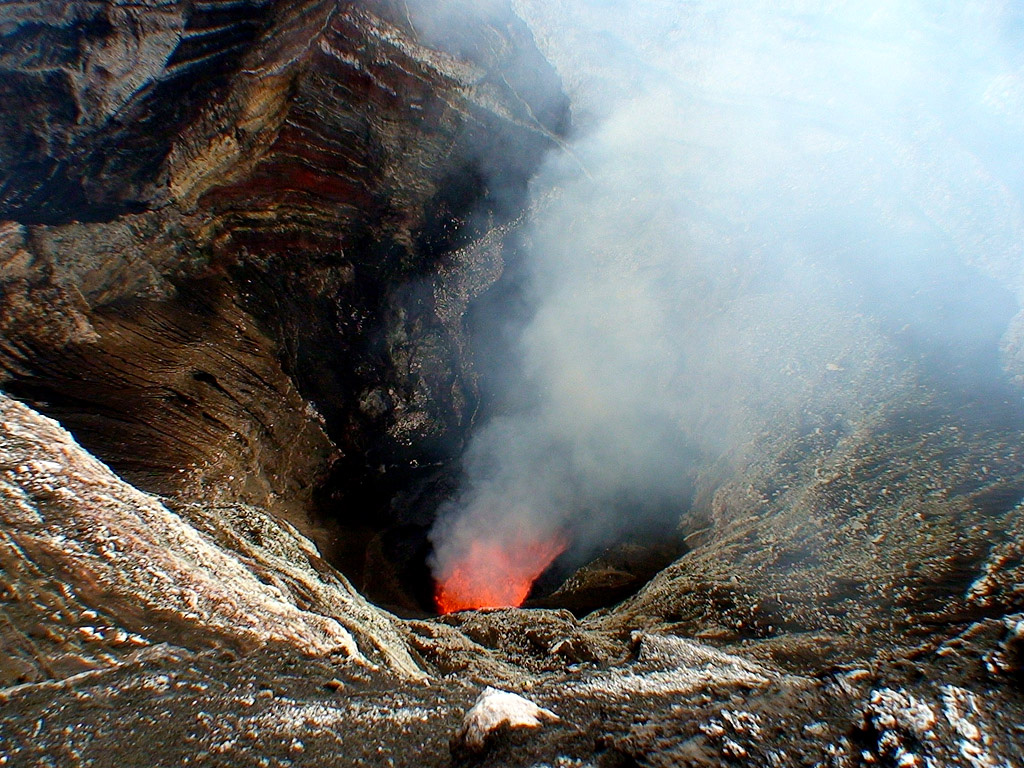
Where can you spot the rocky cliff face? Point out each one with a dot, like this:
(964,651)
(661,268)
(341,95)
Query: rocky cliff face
(226,232)
(96,571)
(239,241)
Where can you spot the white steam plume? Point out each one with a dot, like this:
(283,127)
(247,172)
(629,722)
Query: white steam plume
(788,209)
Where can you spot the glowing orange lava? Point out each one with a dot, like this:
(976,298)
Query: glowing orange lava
(495,574)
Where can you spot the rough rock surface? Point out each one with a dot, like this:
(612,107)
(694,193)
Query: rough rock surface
(223,628)
(493,711)
(239,240)
(225,225)
(95,570)
(844,536)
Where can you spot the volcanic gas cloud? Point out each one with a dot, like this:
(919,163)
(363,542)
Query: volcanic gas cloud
(493,573)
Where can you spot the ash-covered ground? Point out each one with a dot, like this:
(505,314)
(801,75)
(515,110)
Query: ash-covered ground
(103,670)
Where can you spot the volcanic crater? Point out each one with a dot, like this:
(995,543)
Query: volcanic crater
(263,269)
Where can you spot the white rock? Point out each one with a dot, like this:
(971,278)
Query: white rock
(494,709)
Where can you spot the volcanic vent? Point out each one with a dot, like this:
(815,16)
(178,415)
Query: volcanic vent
(280,318)
(495,573)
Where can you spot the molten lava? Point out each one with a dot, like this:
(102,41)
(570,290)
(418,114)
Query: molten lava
(495,574)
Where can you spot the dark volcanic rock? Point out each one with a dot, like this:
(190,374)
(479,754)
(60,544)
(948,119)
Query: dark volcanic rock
(215,634)
(241,236)
(832,544)
(102,90)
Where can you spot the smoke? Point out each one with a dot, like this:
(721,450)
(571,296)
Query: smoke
(769,212)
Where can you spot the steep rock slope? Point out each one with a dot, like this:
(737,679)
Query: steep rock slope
(225,222)
(140,634)
(96,571)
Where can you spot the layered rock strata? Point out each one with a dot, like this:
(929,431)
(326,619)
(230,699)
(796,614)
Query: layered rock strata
(226,223)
